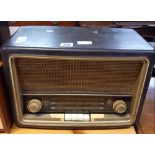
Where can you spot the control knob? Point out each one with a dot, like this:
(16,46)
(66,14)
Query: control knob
(34,105)
(119,106)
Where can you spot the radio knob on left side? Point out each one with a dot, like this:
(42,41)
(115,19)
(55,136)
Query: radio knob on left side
(34,105)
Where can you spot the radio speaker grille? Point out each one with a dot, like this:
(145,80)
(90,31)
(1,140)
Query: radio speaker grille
(59,75)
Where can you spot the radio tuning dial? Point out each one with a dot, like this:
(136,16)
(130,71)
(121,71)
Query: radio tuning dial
(34,105)
(119,106)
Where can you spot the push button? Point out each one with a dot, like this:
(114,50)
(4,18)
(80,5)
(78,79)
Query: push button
(77,117)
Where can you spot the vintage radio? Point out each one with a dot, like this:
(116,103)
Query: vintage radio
(77,77)
(5,121)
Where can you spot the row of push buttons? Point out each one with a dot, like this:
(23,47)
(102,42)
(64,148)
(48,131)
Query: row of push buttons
(77,117)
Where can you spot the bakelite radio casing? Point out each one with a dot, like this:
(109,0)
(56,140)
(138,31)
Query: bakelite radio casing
(72,77)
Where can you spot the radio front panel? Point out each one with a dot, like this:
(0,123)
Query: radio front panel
(96,86)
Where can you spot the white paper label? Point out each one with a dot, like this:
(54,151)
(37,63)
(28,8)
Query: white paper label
(66,44)
(21,39)
(1,125)
(49,31)
(84,42)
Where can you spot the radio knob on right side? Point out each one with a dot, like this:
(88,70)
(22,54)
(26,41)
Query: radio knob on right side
(119,106)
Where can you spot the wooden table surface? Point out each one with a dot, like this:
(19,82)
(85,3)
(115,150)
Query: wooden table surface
(17,130)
